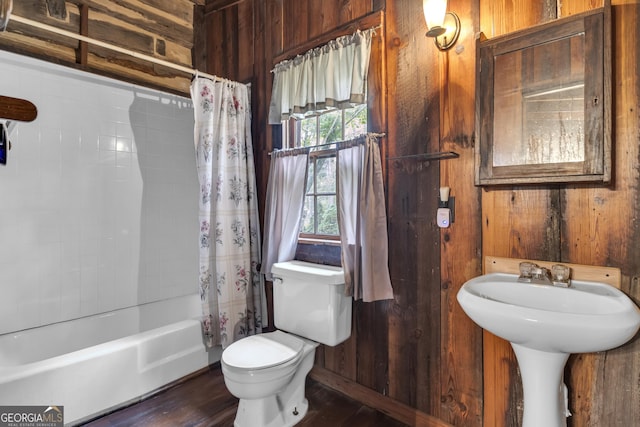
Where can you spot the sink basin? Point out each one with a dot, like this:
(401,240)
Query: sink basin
(544,324)
(587,317)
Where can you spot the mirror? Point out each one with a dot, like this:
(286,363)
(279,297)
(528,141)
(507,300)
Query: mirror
(543,104)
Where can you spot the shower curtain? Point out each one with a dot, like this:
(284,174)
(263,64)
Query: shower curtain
(231,289)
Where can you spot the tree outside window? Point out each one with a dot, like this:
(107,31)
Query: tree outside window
(320,215)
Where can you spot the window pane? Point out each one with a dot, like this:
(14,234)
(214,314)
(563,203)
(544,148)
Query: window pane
(308,216)
(327,215)
(330,127)
(326,175)
(355,121)
(310,177)
(319,215)
(308,132)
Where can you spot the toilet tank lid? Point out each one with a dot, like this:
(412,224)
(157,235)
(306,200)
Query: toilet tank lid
(327,274)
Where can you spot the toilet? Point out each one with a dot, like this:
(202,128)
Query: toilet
(267,372)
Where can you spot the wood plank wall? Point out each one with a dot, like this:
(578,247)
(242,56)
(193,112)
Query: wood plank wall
(461,344)
(419,350)
(422,350)
(584,224)
(158,28)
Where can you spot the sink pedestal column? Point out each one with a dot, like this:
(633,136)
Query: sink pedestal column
(542,381)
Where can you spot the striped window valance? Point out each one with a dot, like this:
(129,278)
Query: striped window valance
(330,76)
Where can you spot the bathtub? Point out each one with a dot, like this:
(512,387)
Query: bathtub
(95,364)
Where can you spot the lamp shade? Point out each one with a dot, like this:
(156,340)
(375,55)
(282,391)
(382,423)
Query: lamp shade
(434,12)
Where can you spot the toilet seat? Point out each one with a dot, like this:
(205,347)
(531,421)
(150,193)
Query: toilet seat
(262,351)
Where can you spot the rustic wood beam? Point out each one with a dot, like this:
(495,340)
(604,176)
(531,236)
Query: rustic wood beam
(83,48)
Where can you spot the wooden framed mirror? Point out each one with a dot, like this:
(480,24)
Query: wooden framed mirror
(543,103)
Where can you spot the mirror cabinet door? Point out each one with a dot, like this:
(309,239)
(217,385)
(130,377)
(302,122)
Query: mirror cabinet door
(542,105)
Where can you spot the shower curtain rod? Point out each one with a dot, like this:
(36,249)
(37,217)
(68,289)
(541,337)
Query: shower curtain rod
(115,48)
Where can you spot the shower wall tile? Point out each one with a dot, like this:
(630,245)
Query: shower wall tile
(98,201)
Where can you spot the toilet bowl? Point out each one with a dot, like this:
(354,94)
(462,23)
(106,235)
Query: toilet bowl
(267,372)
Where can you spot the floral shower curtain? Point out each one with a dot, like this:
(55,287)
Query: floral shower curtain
(231,289)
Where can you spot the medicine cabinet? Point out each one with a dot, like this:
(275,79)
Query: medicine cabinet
(543,103)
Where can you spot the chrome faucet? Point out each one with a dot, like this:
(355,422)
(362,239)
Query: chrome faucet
(558,275)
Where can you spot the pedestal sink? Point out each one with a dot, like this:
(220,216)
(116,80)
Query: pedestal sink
(544,325)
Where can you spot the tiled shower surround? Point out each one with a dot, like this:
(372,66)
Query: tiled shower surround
(98,200)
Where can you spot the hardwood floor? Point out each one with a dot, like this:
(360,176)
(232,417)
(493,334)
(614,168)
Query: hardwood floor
(204,401)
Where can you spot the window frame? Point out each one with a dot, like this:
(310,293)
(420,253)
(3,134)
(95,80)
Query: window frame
(317,237)
(327,150)
(328,251)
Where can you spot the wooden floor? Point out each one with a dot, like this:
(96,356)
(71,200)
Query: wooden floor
(205,401)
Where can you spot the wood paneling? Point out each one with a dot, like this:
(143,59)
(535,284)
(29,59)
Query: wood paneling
(600,227)
(414,362)
(229,30)
(395,346)
(516,222)
(499,17)
(584,224)
(461,342)
(310,18)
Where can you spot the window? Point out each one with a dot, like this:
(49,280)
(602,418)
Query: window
(320,215)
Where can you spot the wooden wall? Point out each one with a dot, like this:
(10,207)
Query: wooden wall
(418,357)
(421,350)
(159,28)
(583,224)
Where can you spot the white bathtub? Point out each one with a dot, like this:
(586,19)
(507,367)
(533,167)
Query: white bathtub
(94,364)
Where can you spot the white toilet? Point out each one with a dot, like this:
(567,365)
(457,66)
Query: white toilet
(267,372)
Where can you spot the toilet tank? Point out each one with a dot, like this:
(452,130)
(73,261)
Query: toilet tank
(309,301)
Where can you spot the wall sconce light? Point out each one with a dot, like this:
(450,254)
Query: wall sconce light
(443,26)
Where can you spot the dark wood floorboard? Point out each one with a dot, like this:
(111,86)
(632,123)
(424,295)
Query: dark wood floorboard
(204,401)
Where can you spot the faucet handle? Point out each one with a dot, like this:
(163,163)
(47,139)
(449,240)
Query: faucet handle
(527,270)
(561,275)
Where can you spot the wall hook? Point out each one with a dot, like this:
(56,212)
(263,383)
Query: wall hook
(17,109)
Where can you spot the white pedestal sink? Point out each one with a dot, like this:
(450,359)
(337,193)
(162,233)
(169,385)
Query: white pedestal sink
(544,325)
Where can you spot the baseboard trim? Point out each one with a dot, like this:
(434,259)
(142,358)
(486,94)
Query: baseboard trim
(373,399)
